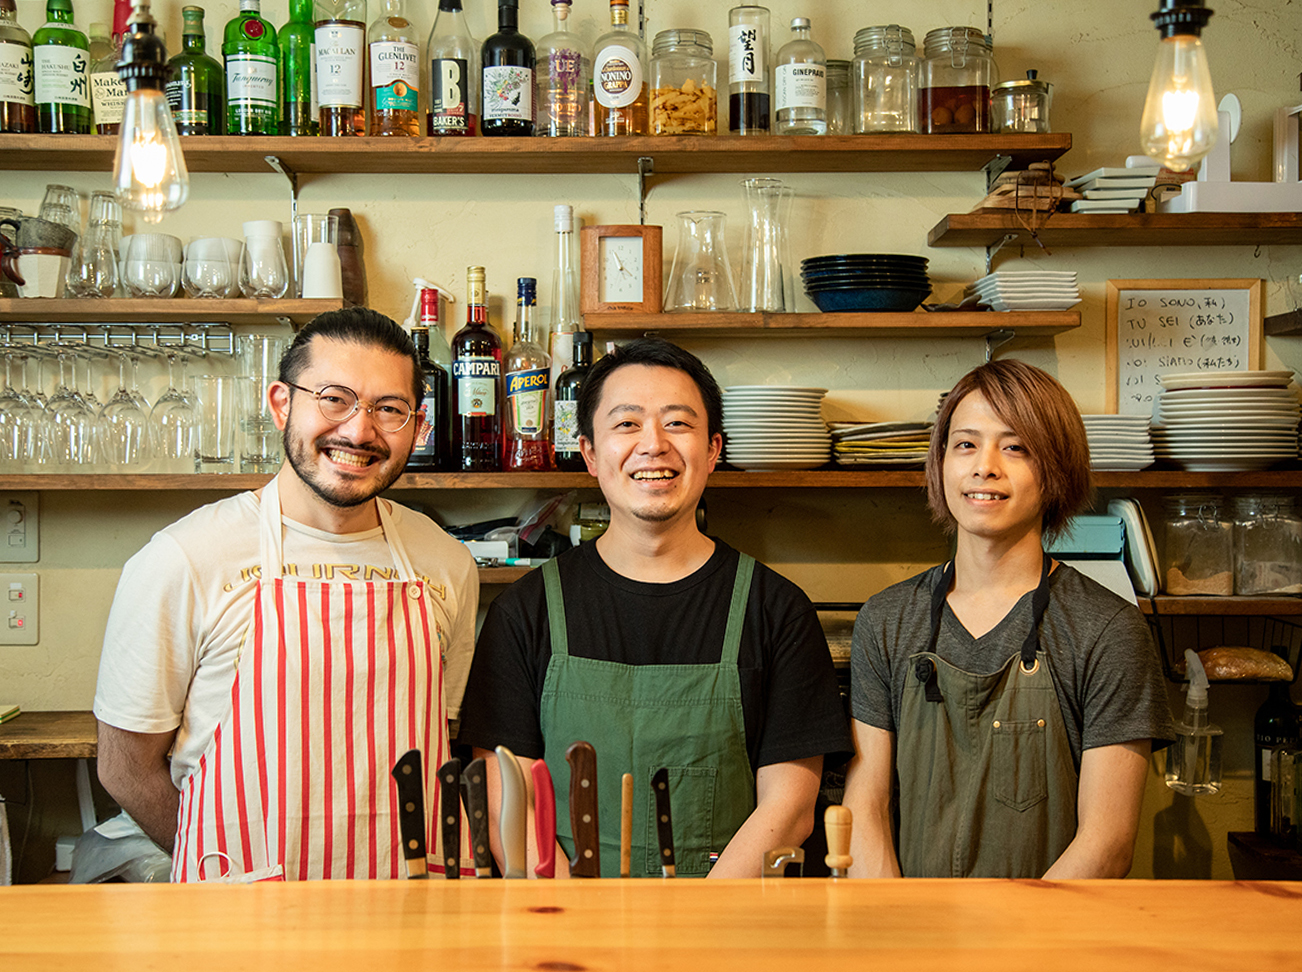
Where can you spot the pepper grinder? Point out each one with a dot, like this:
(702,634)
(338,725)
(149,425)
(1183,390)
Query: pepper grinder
(350,259)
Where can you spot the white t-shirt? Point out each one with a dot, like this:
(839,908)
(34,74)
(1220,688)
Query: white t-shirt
(185,602)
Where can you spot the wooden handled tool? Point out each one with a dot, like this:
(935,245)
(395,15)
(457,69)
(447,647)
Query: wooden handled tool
(836,822)
(626,825)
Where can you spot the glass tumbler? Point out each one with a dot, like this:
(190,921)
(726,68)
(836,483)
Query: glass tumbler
(766,283)
(262,263)
(311,228)
(700,278)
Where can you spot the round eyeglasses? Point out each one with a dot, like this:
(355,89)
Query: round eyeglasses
(339,403)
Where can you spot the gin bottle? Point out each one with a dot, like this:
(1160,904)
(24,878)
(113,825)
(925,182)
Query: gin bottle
(341,66)
(251,53)
(477,386)
(528,373)
(395,73)
(561,75)
(453,57)
(62,64)
(108,92)
(800,80)
(507,88)
(298,97)
(565,319)
(195,89)
(619,77)
(17,91)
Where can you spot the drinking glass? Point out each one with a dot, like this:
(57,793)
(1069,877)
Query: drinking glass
(766,283)
(61,205)
(214,443)
(94,267)
(311,228)
(153,265)
(262,263)
(173,419)
(700,278)
(72,427)
(19,420)
(124,425)
(207,271)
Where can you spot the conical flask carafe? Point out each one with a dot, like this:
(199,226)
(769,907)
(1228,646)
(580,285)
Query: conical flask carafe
(700,278)
(766,285)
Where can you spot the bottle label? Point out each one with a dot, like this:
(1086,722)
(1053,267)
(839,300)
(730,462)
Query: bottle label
(107,96)
(251,80)
(448,112)
(427,439)
(746,54)
(61,76)
(16,74)
(316,94)
(395,67)
(564,75)
(476,380)
(339,65)
(526,400)
(617,77)
(800,86)
(508,93)
(566,435)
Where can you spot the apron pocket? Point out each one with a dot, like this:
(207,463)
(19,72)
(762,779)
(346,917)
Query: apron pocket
(1020,770)
(691,805)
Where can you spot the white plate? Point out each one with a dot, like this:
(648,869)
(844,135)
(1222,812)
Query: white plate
(757,442)
(760,465)
(1225,453)
(1223,438)
(1182,396)
(1118,452)
(1241,464)
(1192,414)
(873,461)
(774,390)
(1031,304)
(759,411)
(884,428)
(1227,379)
(1120,465)
(1116,438)
(1021,275)
(1142,552)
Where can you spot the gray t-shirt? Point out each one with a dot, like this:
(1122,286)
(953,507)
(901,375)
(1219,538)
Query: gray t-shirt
(1105,667)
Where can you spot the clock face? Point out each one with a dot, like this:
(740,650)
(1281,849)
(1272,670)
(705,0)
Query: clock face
(621,269)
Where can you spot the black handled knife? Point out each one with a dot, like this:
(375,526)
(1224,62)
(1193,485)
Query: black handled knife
(450,817)
(474,790)
(583,810)
(664,821)
(411,812)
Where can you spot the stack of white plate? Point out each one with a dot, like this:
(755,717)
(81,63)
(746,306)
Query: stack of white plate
(1113,189)
(1118,443)
(774,427)
(1226,421)
(1027,290)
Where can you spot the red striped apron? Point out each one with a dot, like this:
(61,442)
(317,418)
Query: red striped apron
(335,680)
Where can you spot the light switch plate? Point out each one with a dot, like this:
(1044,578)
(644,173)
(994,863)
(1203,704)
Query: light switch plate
(18,609)
(19,533)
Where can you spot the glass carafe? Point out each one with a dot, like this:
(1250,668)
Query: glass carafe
(766,283)
(700,278)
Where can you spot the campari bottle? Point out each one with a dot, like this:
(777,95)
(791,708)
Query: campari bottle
(477,386)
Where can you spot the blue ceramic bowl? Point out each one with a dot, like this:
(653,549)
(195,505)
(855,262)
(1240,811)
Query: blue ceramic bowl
(833,301)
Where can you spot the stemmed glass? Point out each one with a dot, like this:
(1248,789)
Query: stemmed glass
(72,421)
(19,420)
(173,418)
(124,425)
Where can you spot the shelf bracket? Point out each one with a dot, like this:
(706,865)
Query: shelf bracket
(994,168)
(992,250)
(996,340)
(275,162)
(645,166)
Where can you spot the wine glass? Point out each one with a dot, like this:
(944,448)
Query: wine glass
(124,425)
(173,419)
(72,423)
(19,428)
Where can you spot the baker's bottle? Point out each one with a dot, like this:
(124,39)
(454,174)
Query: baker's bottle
(800,84)
(395,73)
(453,57)
(506,92)
(476,385)
(299,106)
(341,66)
(1275,727)
(619,77)
(528,376)
(195,89)
(561,75)
(251,54)
(17,91)
(108,92)
(432,449)
(565,433)
(62,65)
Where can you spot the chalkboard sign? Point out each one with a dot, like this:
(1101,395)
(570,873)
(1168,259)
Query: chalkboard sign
(1164,327)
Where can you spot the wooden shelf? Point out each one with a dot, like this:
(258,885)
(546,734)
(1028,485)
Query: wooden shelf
(489,156)
(502,575)
(48,735)
(1168,606)
(1286,323)
(1132,229)
(914,324)
(59,310)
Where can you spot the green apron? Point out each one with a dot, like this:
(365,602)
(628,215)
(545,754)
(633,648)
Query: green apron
(687,718)
(987,782)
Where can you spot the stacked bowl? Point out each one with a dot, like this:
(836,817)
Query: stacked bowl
(774,427)
(866,281)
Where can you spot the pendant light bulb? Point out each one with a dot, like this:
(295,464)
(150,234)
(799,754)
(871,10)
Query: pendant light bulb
(1179,125)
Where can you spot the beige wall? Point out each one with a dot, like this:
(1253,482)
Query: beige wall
(840,545)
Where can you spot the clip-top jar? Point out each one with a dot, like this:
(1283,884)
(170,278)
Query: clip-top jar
(838,97)
(1021,106)
(884,81)
(683,81)
(1267,545)
(956,74)
(1198,554)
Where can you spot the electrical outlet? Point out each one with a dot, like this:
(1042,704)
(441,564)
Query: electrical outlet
(19,533)
(18,609)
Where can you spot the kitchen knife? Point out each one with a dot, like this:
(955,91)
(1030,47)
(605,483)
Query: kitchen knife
(474,783)
(586,861)
(664,821)
(836,823)
(450,817)
(411,812)
(511,821)
(626,825)
(544,819)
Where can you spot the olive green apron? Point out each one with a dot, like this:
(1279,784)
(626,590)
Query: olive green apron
(987,781)
(687,718)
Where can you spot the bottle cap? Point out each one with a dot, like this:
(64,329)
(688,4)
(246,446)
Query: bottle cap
(564,216)
(526,291)
(475,273)
(798,22)
(582,337)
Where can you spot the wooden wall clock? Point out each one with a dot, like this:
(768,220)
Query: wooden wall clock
(621,269)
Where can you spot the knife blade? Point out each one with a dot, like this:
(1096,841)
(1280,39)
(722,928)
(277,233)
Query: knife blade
(450,817)
(626,825)
(836,823)
(474,791)
(544,819)
(586,861)
(511,821)
(411,812)
(664,821)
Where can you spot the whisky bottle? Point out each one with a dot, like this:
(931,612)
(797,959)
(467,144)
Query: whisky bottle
(62,65)
(395,73)
(528,375)
(17,91)
(476,388)
(453,57)
(251,54)
(299,106)
(565,435)
(507,89)
(561,73)
(432,450)
(195,89)
(619,78)
(108,92)
(341,66)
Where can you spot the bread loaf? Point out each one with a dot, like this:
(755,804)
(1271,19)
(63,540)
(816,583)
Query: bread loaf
(1225,664)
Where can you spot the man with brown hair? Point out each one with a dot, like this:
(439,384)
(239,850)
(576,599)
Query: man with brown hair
(1017,699)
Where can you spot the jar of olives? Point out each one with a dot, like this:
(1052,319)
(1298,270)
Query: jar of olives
(954,81)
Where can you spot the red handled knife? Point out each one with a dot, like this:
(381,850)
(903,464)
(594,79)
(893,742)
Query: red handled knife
(544,819)
(583,810)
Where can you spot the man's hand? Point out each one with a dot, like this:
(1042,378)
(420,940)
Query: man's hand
(1108,798)
(134,768)
(868,795)
(783,817)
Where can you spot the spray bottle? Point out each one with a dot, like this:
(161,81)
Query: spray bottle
(439,350)
(1193,763)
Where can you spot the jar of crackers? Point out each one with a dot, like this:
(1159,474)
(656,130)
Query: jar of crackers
(683,77)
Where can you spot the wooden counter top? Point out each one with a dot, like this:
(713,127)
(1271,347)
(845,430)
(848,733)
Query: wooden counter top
(48,735)
(664,926)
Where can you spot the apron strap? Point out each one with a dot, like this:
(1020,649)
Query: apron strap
(737,610)
(1039,603)
(555,608)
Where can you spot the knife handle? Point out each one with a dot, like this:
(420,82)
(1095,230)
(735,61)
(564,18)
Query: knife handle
(511,821)
(626,825)
(836,822)
(583,810)
(474,782)
(664,821)
(544,819)
(411,813)
(450,817)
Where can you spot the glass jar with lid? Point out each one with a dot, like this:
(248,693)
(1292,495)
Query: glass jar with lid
(884,80)
(684,75)
(954,81)
(1198,554)
(1267,545)
(1021,106)
(838,97)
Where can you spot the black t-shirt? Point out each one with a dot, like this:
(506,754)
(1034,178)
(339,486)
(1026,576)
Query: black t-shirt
(788,686)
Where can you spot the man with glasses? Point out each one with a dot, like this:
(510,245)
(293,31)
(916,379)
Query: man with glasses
(269,657)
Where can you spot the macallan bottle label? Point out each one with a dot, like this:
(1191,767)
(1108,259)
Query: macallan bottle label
(566,433)
(251,80)
(339,49)
(447,98)
(526,399)
(745,54)
(16,83)
(508,93)
(617,77)
(108,93)
(61,76)
(476,380)
(395,75)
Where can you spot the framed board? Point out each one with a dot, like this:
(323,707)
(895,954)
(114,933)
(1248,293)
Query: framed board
(1163,327)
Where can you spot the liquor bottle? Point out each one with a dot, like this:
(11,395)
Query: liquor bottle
(619,80)
(341,66)
(298,95)
(453,57)
(561,79)
(748,70)
(101,41)
(395,73)
(800,83)
(476,386)
(432,451)
(195,91)
(17,90)
(62,64)
(1275,727)
(565,320)
(251,54)
(108,92)
(507,89)
(566,432)
(528,374)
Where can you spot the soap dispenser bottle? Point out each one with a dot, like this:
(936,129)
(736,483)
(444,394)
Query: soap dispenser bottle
(1193,762)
